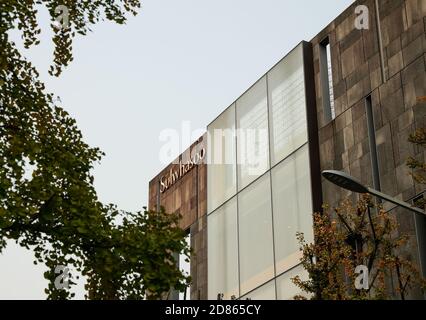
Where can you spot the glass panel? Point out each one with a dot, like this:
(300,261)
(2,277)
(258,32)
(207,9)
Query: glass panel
(286,90)
(252,134)
(222,251)
(221,169)
(265,292)
(291,193)
(255,230)
(286,289)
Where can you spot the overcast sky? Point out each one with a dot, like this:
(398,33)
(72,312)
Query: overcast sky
(176,61)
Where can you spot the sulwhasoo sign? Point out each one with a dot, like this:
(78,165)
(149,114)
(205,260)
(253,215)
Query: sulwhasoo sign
(170,179)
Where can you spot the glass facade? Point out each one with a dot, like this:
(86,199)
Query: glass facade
(222,173)
(223,251)
(292,205)
(259,187)
(287,106)
(252,134)
(255,234)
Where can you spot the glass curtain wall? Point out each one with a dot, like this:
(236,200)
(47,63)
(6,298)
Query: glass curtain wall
(259,192)
(222,254)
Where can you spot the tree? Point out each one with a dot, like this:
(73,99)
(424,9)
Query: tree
(47,199)
(137,261)
(418,167)
(356,237)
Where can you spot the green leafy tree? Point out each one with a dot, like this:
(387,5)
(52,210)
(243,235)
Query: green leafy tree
(137,260)
(356,236)
(47,199)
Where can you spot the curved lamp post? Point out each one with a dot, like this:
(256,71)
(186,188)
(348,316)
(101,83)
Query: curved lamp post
(348,182)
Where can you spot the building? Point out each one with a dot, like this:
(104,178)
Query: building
(346,100)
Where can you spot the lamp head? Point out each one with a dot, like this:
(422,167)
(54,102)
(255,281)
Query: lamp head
(344,180)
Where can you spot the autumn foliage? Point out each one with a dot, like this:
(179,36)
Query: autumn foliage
(418,167)
(349,236)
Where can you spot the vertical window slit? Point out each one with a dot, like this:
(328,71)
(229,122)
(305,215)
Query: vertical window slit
(326,74)
(372,143)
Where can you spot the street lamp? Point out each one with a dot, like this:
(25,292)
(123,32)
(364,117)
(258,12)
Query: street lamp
(348,182)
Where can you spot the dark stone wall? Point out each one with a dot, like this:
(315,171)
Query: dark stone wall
(398,106)
(356,74)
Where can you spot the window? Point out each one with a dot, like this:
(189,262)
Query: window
(255,234)
(326,74)
(223,251)
(372,143)
(185,267)
(291,193)
(252,134)
(221,151)
(286,92)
